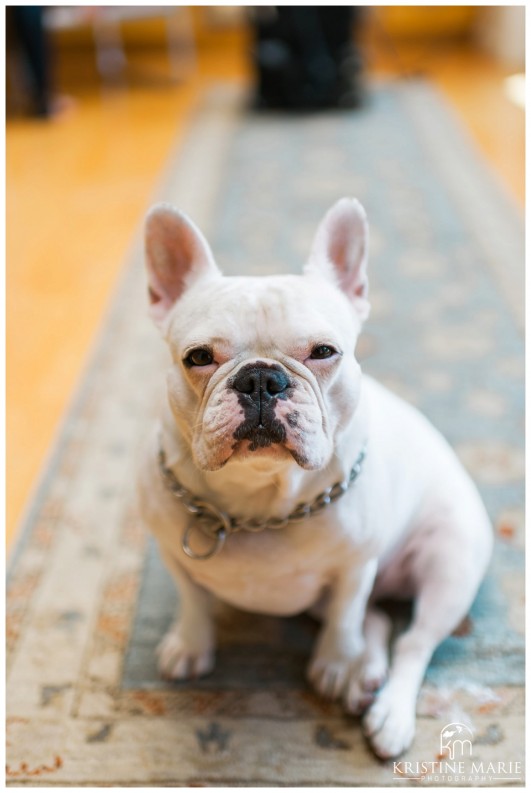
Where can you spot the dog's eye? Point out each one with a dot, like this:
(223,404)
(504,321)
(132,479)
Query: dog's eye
(322,351)
(199,357)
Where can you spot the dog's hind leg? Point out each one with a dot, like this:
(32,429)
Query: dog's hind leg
(445,593)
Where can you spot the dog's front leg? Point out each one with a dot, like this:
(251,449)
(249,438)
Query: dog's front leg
(339,661)
(187,649)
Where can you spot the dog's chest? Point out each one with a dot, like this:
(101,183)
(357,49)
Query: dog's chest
(268,573)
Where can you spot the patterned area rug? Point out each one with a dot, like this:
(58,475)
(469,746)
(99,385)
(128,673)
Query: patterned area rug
(88,598)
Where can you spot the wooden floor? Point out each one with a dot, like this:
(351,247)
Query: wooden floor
(78,186)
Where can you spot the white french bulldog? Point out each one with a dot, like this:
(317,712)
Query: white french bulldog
(281,479)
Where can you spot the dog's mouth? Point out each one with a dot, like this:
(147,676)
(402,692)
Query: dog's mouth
(269,441)
(261,436)
(260,440)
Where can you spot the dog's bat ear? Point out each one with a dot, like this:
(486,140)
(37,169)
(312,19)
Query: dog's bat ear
(340,251)
(177,254)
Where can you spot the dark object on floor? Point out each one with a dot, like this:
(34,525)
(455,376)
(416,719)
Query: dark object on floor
(26,30)
(305,57)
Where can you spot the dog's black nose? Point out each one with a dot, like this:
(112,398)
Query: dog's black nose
(260,381)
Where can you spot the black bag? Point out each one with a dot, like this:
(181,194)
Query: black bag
(305,57)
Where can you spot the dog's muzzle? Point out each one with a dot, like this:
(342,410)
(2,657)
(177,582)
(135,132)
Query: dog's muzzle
(259,386)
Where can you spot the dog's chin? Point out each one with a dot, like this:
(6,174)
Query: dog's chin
(247,452)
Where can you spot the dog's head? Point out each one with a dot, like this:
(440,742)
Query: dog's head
(262,367)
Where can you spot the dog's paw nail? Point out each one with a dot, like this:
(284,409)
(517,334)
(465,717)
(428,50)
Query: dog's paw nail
(181,669)
(358,706)
(365,702)
(203,664)
(327,679)
(373,684)
(180,660)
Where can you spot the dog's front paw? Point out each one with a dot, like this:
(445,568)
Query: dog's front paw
(389,724)
(181,657)
(350,678)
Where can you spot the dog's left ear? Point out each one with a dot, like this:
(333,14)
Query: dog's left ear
(340,251)
(177,254)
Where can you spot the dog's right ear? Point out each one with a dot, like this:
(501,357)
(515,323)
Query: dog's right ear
(177,254)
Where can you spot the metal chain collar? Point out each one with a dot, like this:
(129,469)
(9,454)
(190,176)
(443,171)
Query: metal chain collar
(216,524)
